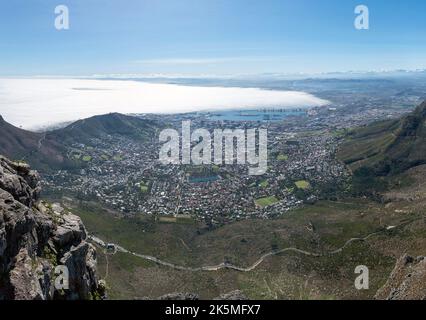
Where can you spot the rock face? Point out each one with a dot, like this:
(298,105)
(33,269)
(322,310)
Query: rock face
(407,281)
(36,238)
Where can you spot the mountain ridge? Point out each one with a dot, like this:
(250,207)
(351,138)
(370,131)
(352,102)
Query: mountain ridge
(46,151)
(41,150)
(101,125)
(387,147)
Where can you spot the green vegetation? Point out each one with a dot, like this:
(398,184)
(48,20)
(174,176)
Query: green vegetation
(302,184)
(264,183)
(87,158)
(85,130)
(168,219)
(50,255)
(243,242)
(387,147)
(282,157)
(339,133)
(144,234)
(382,151)
(290,190)
(144,187)
(267,201)
(183,219)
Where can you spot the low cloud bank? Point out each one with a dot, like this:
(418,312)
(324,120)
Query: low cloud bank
(32,103)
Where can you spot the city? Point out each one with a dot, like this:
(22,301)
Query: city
(126,175)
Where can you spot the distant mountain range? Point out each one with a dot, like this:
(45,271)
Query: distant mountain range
(48,150)
(268,75)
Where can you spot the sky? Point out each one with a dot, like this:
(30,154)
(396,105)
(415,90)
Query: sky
(209,37)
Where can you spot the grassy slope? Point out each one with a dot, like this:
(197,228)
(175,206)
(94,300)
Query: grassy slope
(366,146)
(388,147)
(40,151)
(287,276)
(83,130)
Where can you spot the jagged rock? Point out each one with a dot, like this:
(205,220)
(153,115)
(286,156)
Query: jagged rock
(24,278)
(81,263)
(19,181)
(34,239)
(407,280)
(70,231)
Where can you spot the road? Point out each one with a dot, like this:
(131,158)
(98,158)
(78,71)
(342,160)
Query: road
(229,266)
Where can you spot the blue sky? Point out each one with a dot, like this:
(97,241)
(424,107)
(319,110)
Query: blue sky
(209,37)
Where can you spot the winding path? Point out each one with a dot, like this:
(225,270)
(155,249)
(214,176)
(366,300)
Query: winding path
(229,266)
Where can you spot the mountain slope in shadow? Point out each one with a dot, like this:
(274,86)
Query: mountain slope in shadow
(82,131)
(388,147)
(48,151)
(39,149)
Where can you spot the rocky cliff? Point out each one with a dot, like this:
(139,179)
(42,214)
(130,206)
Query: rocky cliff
(36,238)
(407,281)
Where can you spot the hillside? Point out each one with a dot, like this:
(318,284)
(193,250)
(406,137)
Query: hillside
(388,147)
(39,149)
(15,140)
(47,151)
(99,126)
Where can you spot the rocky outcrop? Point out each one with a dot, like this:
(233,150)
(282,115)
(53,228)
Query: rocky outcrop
(36,238)
(407,281)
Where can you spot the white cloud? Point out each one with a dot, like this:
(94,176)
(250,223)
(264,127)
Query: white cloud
(33,103)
